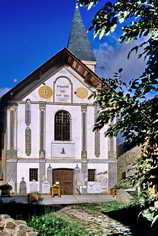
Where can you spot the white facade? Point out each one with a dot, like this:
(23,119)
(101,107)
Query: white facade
(48,122)
(87,158)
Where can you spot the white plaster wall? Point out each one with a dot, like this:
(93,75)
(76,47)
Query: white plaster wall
(35,129)
(23,171)
(51,109)
(103,143)
(63,149)
(34,126)
(77,82)
(90,133)
(21,131)
(49,130)
(63,165)
(101,183)
(75,112)
(76,115)
(98,186)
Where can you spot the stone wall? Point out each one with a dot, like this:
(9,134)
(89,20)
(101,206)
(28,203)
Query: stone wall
(125,159)
(11,227)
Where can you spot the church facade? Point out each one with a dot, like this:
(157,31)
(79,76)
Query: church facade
(47,125)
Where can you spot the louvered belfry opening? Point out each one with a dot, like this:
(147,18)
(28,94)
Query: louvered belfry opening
(62,126)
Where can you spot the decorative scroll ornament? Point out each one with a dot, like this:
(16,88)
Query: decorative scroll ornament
(28,112)
(82,93)
(45,92)
(28,141)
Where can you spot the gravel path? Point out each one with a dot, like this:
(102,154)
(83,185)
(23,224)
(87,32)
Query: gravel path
(100,224)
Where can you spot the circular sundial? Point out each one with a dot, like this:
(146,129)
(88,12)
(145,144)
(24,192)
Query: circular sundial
(82,93)
(45,91)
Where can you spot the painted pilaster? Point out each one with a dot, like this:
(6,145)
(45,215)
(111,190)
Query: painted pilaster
(11,172)
(112,174)
(112,148)
(42,107)
(112,167)
(84,131)
(28,129)
(42,173)
(97,136)
(84,166)
(76,180)
(49,174)
(28,141)
(4,150)
(28,112)
(84,171)
(12,133)
(11,162)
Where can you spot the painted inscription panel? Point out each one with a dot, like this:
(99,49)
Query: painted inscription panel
(63,90)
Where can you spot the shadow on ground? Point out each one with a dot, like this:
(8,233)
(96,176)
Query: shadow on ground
(26,211)
(128,217)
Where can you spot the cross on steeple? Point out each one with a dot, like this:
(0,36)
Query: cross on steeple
(76,5)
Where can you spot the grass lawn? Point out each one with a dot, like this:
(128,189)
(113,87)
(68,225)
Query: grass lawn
(101,207)
(76,220)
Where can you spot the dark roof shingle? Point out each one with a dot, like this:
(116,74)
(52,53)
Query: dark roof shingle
(78,41)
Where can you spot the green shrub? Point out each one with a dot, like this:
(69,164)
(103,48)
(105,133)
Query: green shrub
(113,206)
(51,224)
(124,185)
(101,207)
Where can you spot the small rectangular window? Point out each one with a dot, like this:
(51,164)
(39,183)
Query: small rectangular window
(91,174)
(33,174)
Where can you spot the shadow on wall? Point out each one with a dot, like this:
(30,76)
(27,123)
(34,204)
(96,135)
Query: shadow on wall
(126,155)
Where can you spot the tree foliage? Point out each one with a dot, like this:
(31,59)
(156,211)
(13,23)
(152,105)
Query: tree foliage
(135,112)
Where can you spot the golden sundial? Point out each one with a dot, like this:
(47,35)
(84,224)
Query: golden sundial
(82,93)
(45,92)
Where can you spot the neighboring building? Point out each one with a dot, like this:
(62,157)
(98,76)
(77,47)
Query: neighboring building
(48,121)
(126,157)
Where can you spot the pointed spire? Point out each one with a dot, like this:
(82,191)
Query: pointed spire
(76,5)
(78,41)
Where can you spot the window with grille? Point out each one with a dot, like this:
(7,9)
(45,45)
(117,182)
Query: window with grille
(33,174)
(91,174)
(62,126)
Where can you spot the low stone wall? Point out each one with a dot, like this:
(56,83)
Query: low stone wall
(11,227)
(125,161)
(123,196)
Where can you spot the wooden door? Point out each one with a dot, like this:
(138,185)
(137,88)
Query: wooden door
(65,178)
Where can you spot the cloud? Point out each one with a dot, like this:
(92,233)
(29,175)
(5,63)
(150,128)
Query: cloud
(3,91)
(112,57)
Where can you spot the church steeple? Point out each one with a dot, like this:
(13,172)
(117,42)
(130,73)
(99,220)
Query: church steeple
(78,41)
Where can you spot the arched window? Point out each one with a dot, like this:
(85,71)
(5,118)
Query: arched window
(62,126)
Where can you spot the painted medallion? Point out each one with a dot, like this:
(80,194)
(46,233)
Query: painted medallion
(45,92)
(82,93)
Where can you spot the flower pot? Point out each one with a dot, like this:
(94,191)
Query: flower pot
(34,197)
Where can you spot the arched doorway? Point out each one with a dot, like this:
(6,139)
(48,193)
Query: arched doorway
(65,178)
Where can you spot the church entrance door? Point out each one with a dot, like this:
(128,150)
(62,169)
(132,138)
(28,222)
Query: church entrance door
(65,178)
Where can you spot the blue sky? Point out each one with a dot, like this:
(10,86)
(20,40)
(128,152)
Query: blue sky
(32,31)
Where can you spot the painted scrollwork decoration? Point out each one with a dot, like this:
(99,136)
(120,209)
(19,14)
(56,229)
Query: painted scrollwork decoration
(28,112)
(28,141)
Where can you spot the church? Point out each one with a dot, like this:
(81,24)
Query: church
(47,125)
